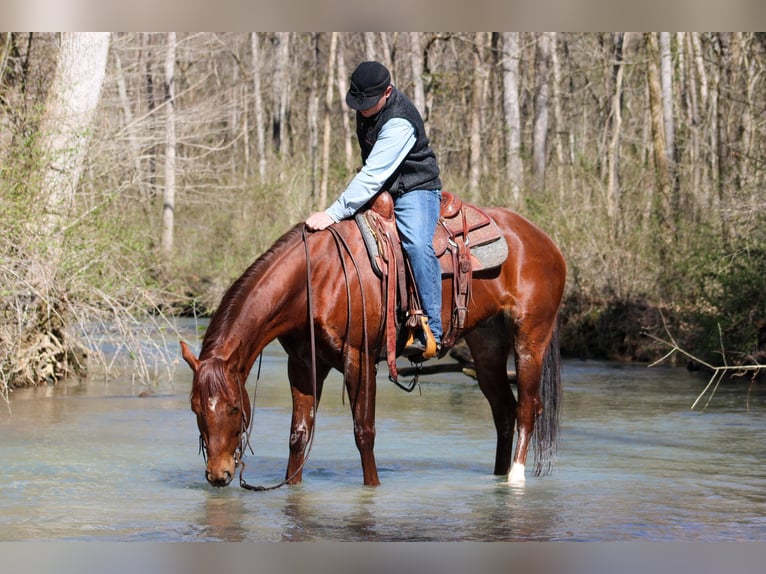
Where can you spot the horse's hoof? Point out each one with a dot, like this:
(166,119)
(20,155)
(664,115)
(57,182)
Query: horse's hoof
(516,476)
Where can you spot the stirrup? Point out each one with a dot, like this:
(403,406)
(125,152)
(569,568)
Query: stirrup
(415,347)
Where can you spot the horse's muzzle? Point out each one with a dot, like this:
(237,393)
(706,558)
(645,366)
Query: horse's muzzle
(219,479)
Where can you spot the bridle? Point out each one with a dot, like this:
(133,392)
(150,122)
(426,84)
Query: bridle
(244,442)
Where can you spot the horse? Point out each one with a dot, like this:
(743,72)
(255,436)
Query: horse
(317,294)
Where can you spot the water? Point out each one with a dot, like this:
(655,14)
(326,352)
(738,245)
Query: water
(94,462)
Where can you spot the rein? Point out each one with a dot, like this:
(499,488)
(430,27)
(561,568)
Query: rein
(246,429)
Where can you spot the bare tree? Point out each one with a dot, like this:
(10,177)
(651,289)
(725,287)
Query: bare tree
(127,111)
(35,345)
(260,122)
(330,88)
(313,117)
(613,157)
(477,104)
(281,93)
(542,94)
(169,193)
(342,79)
(369,45)
(558,117)
(666,76)
(513,167)
(416,58)
(662,200)
(69,113)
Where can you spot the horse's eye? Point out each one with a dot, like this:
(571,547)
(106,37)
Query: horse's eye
(234,410)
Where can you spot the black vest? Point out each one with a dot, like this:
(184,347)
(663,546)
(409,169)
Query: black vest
(419,169)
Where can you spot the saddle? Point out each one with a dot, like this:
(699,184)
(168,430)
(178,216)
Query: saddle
(466,240)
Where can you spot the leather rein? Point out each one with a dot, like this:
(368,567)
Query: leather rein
(342,246)
(247,428)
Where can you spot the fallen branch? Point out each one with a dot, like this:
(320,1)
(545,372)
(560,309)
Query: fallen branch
(467,370)
(718,371)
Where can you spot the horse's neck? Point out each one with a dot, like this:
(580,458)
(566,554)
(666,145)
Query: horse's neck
(266,307)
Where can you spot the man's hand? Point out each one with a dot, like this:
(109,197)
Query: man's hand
(319,220)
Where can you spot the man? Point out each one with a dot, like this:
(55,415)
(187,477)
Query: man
(397,157)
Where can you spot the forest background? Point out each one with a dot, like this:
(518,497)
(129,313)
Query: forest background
(641,154)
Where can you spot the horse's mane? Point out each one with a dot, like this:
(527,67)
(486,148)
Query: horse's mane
(235,295)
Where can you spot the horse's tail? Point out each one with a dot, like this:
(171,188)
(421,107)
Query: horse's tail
(547,423)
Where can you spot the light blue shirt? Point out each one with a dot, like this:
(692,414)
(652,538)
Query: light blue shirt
(395,140)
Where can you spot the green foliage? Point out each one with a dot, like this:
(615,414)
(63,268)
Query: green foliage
(727,301)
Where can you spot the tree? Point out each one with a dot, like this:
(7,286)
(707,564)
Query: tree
(662,201)
(282,93)
(38,347)
(542,96)
(416,58)
(169,194)
(514,170)
(477,109)
(613,157)
(330,88)
(258,103)
(66,127)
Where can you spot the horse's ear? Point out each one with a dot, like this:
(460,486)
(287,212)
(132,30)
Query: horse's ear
(189,356)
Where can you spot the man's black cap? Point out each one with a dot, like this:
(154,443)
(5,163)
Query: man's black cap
(368,83)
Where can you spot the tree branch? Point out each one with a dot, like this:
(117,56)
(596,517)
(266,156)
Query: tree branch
(718,371)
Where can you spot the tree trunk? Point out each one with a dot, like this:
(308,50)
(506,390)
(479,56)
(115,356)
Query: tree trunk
(66,126)
(722,147)
(540,127)
(313,118)
(558,119)
(662,204)
(667,95)
(151,104)
(477,103)
(342,80)
(514,169)
(613,157)
(127,112)
(416,58)
(281,93)
(169,194)
(369,46)
(260,122)
(44,351)
(331,63)
(385,51)
(747,174)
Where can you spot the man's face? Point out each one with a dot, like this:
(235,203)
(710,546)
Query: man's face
(377,107)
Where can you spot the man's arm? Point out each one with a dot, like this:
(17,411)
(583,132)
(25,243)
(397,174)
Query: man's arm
(394,142)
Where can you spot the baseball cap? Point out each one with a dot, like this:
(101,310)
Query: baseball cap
(368,83)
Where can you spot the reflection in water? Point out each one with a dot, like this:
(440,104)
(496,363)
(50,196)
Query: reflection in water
(311,516)
(224,519)
(94,462)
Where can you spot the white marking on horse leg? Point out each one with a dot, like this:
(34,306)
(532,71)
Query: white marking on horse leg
(299,435)
(516,476)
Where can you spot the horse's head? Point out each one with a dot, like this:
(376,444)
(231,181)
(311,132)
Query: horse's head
(222,406)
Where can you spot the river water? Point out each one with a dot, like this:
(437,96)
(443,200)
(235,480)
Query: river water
(93,461)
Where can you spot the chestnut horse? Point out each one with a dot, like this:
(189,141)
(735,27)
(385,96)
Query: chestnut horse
(512,307)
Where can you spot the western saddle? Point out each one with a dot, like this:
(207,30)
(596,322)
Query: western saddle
(466,241)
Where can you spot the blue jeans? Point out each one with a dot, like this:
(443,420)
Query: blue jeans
(417,213)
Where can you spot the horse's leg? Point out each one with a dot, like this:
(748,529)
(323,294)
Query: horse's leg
(530,345)
(359,377)
(302,424)
(490,346)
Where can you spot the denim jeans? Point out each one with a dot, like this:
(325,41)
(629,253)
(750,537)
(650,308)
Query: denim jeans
(417,213)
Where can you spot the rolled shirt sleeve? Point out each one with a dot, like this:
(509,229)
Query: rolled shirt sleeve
(395,140)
